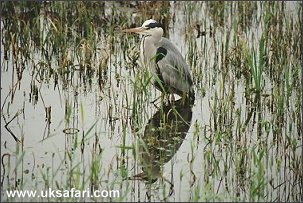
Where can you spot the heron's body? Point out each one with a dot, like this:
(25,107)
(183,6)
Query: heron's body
(164,61)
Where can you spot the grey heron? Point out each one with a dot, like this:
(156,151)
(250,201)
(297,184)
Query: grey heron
(163,60)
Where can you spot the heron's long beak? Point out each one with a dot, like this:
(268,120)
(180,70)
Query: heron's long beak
(134,30)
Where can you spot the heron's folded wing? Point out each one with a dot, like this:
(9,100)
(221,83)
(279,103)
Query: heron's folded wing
(172,67)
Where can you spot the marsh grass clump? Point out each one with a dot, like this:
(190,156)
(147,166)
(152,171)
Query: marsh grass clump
(217,10)
(247,12)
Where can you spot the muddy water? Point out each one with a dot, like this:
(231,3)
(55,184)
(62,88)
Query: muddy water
(85,128)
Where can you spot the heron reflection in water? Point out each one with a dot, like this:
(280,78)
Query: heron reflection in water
(163,136)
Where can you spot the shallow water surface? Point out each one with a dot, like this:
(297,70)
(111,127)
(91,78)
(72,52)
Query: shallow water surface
(77,110)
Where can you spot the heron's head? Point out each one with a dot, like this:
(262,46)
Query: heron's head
(148,28)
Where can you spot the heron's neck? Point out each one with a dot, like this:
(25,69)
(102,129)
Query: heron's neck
(156,35)
(154,38)
(148,48)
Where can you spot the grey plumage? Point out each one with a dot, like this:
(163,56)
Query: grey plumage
(174,70)
(164,60)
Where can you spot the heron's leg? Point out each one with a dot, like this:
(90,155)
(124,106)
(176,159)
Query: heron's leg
(184,98)
(164,98)
(172,99)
